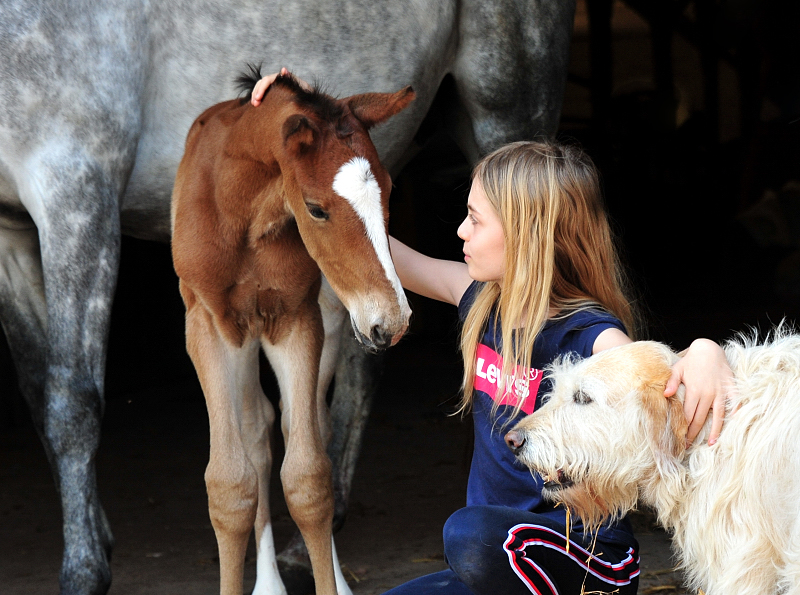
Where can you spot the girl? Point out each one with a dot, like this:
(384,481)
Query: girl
(541,279)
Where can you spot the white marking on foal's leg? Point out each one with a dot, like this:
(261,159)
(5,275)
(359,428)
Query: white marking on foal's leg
(268,580)
(355,183)
(342,587)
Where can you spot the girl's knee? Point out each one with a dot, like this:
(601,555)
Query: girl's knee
(463,527)
(482,523)
(473,544)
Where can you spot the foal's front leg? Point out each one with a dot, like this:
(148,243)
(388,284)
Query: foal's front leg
(294,562)
(239,416)
(306,469)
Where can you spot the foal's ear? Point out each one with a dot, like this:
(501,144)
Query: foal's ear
(298,134)
(373,108)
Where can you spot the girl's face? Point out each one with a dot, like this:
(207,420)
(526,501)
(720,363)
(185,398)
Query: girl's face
(484,242)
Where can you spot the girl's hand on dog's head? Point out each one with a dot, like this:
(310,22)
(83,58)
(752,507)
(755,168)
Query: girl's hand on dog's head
(708,379)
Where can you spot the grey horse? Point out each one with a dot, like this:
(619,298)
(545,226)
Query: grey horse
(96,98)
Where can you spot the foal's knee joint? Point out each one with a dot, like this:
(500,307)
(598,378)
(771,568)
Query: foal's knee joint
(309,491)
(232,497)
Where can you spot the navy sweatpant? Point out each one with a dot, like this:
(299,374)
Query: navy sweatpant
(495,550)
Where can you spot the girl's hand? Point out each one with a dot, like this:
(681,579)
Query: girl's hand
(708,378)
(261,86)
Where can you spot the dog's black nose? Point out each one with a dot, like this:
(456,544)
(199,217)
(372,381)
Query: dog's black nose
(515,441)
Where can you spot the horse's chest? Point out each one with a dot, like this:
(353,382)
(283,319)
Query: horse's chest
(275,283)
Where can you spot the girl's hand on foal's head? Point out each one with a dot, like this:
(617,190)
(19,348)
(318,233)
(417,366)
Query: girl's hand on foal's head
(708,379)
(261,86)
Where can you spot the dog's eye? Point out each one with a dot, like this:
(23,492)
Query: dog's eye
(581,397)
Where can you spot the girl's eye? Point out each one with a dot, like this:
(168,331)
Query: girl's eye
(317,212)
(473,220)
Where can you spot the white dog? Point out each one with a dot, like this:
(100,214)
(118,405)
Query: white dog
(608,438)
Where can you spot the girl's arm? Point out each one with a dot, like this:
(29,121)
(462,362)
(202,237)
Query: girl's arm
(443,280)
(611,337)
(708,378)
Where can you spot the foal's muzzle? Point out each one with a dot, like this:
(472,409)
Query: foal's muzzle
(379,338)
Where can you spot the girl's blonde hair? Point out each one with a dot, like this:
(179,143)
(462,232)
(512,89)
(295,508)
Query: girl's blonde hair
(559,251)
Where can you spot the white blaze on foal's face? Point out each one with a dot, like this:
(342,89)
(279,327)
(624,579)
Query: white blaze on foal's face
(356,183)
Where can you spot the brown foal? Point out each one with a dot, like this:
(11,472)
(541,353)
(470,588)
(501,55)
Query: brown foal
(266,197)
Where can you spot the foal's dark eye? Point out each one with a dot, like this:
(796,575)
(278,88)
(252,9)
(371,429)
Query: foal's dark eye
(581,397)
(317,212)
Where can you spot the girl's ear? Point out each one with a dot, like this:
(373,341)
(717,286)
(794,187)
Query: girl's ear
(373,108)
(299,134)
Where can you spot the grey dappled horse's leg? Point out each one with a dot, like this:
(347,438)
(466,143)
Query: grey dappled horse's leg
(23,313)
(357,377)
(357,374)
(77,214)
(334,317)
(511,82)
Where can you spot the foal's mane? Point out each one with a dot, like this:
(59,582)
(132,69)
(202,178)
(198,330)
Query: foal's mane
(325,106)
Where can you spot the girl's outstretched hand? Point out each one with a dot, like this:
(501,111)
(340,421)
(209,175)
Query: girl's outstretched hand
(261,86)
(708,378)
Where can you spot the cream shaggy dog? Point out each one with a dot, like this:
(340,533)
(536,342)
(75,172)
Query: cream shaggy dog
(607,439)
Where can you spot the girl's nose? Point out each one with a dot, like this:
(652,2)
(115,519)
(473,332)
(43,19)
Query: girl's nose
(462,230)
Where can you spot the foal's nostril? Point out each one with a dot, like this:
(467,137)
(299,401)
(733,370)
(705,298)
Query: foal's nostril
(380,337)
(515,441)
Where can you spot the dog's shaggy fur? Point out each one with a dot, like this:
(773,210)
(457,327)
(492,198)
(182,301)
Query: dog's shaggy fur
(607,438)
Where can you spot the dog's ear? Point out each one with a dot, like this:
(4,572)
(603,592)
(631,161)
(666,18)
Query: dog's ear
(666,423)
(666,440)
(669,424)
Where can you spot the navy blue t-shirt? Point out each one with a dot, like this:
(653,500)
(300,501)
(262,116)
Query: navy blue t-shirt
(496,477)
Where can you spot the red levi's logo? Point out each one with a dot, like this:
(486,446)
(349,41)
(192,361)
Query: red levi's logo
(524,384)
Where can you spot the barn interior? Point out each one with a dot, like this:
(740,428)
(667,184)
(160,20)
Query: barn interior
(691,110)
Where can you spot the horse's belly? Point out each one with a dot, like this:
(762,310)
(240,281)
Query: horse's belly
(146,204)
(12,212)
(148,220)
